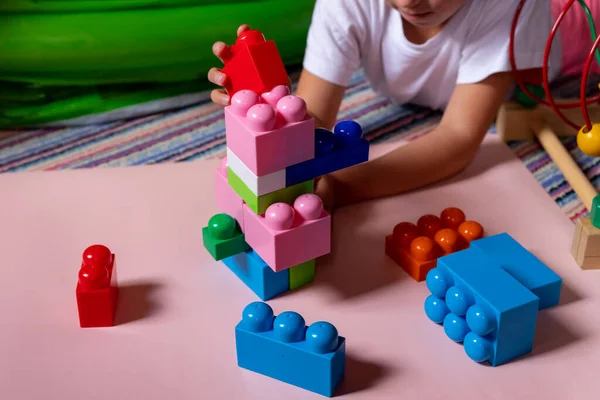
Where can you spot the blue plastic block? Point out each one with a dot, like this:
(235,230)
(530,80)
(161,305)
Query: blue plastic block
(257,275)
(482,306)
(523,266)
(342,148)
(283,348)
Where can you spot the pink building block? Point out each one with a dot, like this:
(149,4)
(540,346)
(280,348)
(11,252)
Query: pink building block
(228,200)
(271,131)
(286,236)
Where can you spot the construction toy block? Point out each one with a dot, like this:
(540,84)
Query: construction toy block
(259,204)
(586,244)
(223,237)
(97,290)
(269,132)
(257,275)
(481,306)
(228,201)
(301,275)
(286,236)
(283,348)
(416,248)
(258,185)
(523,266)
(595,211)
(342,148)
(253,63)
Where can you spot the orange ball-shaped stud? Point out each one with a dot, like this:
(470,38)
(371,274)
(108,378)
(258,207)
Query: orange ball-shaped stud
(471,230)
(423,249)
(589,140)
(448,240)
(428,225)
(404,233)
(452,217)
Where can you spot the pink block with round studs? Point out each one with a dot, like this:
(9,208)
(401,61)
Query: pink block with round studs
(289,235)
(269,132)
(228,200)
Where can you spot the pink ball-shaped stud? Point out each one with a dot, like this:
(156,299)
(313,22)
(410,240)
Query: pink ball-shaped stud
(279,216)
(309,206)
(276,94)
(242,101)
(261,117)
(292,109)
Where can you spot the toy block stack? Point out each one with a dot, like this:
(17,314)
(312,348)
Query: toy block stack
(272,226)
(487,297)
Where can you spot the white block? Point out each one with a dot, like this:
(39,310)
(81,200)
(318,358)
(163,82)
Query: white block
(259,185)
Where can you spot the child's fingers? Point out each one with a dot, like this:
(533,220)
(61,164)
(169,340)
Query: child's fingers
(217,77)
(242,28)
(220,50)
(220,97)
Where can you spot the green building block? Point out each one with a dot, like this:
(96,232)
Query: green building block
(302,274)
(259,204)
(524,100)
(595,211)
(223,237)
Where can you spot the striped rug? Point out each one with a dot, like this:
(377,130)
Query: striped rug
(199,131)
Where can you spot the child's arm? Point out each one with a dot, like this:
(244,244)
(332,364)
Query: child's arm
(445,151)
(323,98)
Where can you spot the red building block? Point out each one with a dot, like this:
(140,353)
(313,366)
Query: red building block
(416,248)
(253,63)
(97,291)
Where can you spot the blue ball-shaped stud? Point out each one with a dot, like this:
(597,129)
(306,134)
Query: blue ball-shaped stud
(348,133)
(457,301)
(455,327)
(479,321)
(324,142)
(437,283)
(322,337)
(289,327)
(477,348)
(257,317)
(436,309)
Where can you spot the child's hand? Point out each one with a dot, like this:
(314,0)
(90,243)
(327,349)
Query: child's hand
(220,96)
(325,189)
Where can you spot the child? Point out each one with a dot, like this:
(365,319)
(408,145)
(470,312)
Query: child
(443,54)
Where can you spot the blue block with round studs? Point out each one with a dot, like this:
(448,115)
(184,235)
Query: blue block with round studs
(481,306)
(342,148)
(284,348)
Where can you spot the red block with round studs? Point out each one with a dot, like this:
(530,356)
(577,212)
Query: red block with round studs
(253,63)
(416,248)
(97,291)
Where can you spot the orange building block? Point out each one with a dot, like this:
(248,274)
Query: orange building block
(416,248)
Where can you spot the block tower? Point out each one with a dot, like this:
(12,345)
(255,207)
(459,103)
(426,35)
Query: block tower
(271,226)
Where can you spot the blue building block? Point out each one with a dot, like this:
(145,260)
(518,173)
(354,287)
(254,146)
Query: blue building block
(482,306)
(523,266)
(257,275)
(283,348)
(342,148)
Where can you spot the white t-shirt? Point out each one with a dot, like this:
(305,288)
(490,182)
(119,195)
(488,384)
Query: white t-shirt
(348,34)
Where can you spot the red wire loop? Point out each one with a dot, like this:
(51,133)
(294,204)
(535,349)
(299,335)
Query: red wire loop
(584,78)
(517,77)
